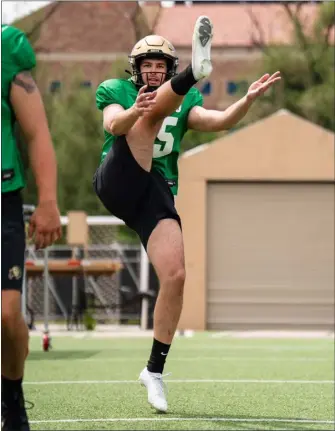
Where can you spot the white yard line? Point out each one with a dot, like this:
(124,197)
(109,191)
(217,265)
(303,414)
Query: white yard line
(285,335)
(201,358)
(112,382)
(168,419)
(271,348)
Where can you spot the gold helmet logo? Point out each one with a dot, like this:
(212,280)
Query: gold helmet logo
(155,47)
(15,273)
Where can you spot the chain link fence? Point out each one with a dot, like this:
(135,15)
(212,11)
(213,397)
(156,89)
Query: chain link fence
(102,234)
(108,298)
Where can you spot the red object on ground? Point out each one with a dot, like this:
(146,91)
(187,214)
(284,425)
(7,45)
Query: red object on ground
(46,342)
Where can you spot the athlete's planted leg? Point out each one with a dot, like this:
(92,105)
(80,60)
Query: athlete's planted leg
(166,252)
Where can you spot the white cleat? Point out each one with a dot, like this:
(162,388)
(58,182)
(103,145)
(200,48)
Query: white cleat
(155,386)
(201,48)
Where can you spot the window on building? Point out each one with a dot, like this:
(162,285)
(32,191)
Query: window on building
(86,84)
(233,87)
(55,86)
(206,88)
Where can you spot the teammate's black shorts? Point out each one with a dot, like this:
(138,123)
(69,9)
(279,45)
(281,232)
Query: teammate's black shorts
(140,198)
(13,241)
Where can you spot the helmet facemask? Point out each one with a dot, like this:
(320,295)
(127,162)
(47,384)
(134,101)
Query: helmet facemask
(160,77)
(155,48)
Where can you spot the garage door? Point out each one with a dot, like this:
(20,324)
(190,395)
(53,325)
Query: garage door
(270,256)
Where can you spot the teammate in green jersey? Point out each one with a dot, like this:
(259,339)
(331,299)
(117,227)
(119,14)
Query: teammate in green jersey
(20,102)
(138,174)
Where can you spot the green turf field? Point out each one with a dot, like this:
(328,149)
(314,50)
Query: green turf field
(215,383)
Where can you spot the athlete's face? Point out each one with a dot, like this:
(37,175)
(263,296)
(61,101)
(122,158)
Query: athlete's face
(153,72)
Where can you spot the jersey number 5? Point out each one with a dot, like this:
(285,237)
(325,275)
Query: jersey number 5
(166,138)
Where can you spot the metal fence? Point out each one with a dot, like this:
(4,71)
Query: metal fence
(121,298)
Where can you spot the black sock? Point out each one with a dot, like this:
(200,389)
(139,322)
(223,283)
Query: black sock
(10,389)
(158,356)
(183,82)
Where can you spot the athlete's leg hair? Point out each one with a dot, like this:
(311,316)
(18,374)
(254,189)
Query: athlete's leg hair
(166,253)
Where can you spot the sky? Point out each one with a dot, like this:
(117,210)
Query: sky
(12,10)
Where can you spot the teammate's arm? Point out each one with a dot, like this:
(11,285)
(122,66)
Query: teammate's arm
(205,120)
(30,114)
(118,121)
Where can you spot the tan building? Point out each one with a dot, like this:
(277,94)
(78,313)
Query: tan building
(258,219)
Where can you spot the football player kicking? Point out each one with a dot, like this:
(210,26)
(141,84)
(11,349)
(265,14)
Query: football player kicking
(145,119)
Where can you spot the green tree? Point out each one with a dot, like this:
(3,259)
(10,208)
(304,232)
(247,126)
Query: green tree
(193,139)
(76,130)
(307,68)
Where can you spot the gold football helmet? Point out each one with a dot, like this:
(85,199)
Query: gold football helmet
(154,47)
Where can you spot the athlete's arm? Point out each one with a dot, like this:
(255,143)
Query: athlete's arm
(30,114)
(205,120)
(208,120)
(118,121)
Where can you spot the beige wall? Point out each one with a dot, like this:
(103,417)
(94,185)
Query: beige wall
(270,255)
(282,147)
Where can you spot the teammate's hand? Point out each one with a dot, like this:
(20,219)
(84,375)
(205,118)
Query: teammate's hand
(144,101)
(259,87)
(45,225)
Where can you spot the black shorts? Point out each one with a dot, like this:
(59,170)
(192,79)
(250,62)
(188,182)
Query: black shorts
(140,198)
(13,241)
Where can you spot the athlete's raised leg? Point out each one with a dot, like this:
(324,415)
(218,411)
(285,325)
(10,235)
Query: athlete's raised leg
(170,95)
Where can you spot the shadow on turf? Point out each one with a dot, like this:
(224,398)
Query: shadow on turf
(62,354)
(265,422)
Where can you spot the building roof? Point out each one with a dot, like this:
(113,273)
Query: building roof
(234,25)
(92,26)
(114,27)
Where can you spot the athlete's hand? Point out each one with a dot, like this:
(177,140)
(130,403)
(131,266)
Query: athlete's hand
(45,225)
(259,87)
(144,101)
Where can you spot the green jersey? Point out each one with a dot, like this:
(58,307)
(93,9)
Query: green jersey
(17,56)
(167,144)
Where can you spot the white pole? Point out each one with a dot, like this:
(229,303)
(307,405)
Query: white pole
(24,292)
(144,288)
(46,291)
